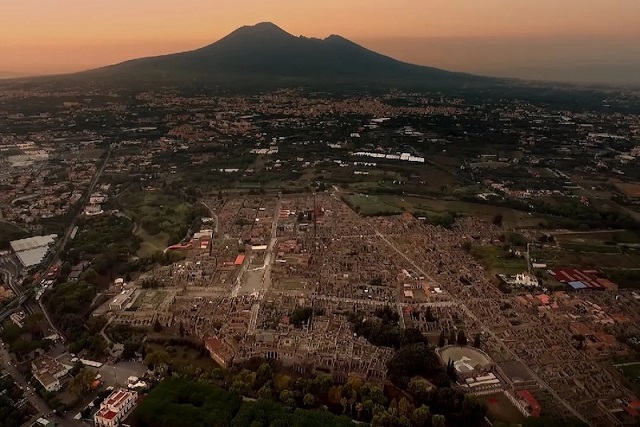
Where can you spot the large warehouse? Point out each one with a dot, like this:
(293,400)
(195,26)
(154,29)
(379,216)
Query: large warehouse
(32,250)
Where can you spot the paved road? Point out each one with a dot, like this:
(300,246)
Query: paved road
(214,216)
(117,375)
(485,329)
(38,403)
(60,245)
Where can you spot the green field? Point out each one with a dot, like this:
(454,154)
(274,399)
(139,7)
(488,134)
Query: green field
(369,205)
(568,258)
(631,372)
(161,219)
(390,204)
(592,248)
(151,244)
(601,237)
(496,260)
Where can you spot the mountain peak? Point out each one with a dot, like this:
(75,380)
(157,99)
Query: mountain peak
(260,29)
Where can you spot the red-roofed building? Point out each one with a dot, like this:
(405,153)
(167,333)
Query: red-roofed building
(532,404)
(115,408)
(221,351)
(633,407)
(239,260)
(544,299)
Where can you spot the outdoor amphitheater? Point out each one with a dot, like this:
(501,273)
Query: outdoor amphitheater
(468,361)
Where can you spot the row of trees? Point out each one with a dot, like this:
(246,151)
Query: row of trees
(458,338)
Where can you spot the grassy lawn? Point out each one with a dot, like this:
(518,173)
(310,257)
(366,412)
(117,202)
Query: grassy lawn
(390,204)
(495,260)
(600,237)
(161,218)
(631,372)
(569,258)
(371,205)
(592,248)
(151,244)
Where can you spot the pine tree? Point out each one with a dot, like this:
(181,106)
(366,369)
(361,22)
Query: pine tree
(441,339)
(476,341)
(462,339)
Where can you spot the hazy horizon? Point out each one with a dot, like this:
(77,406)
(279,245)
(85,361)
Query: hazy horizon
(573,40)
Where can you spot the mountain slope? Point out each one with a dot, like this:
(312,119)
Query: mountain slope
(264,54)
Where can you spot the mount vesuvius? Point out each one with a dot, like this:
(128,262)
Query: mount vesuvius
(266,55)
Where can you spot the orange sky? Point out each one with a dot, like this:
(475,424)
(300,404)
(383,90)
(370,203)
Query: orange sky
(38,36)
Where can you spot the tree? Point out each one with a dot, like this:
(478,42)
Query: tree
(497,220)
(157,359)
(419,389)
(264,374)
(288,398)
(405,407)
(476,341)
(451,371)
(452,337)
(421,416)
(157,327)
(309,400)
(334,395)
(580,340)
(265,392)
(462,339)
(356,383)
(441,339)
(239,387)
(412,360)
(81,383)
(281,382)
(301,316)
(129,350)
(359,408)
(344,402)
(438,421)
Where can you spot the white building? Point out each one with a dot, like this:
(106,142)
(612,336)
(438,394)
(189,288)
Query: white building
(526,279)
(48,371)
(115,408)
(121,300)
(32,250)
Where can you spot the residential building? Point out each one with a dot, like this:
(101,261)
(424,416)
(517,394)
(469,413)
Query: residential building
(48,371)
